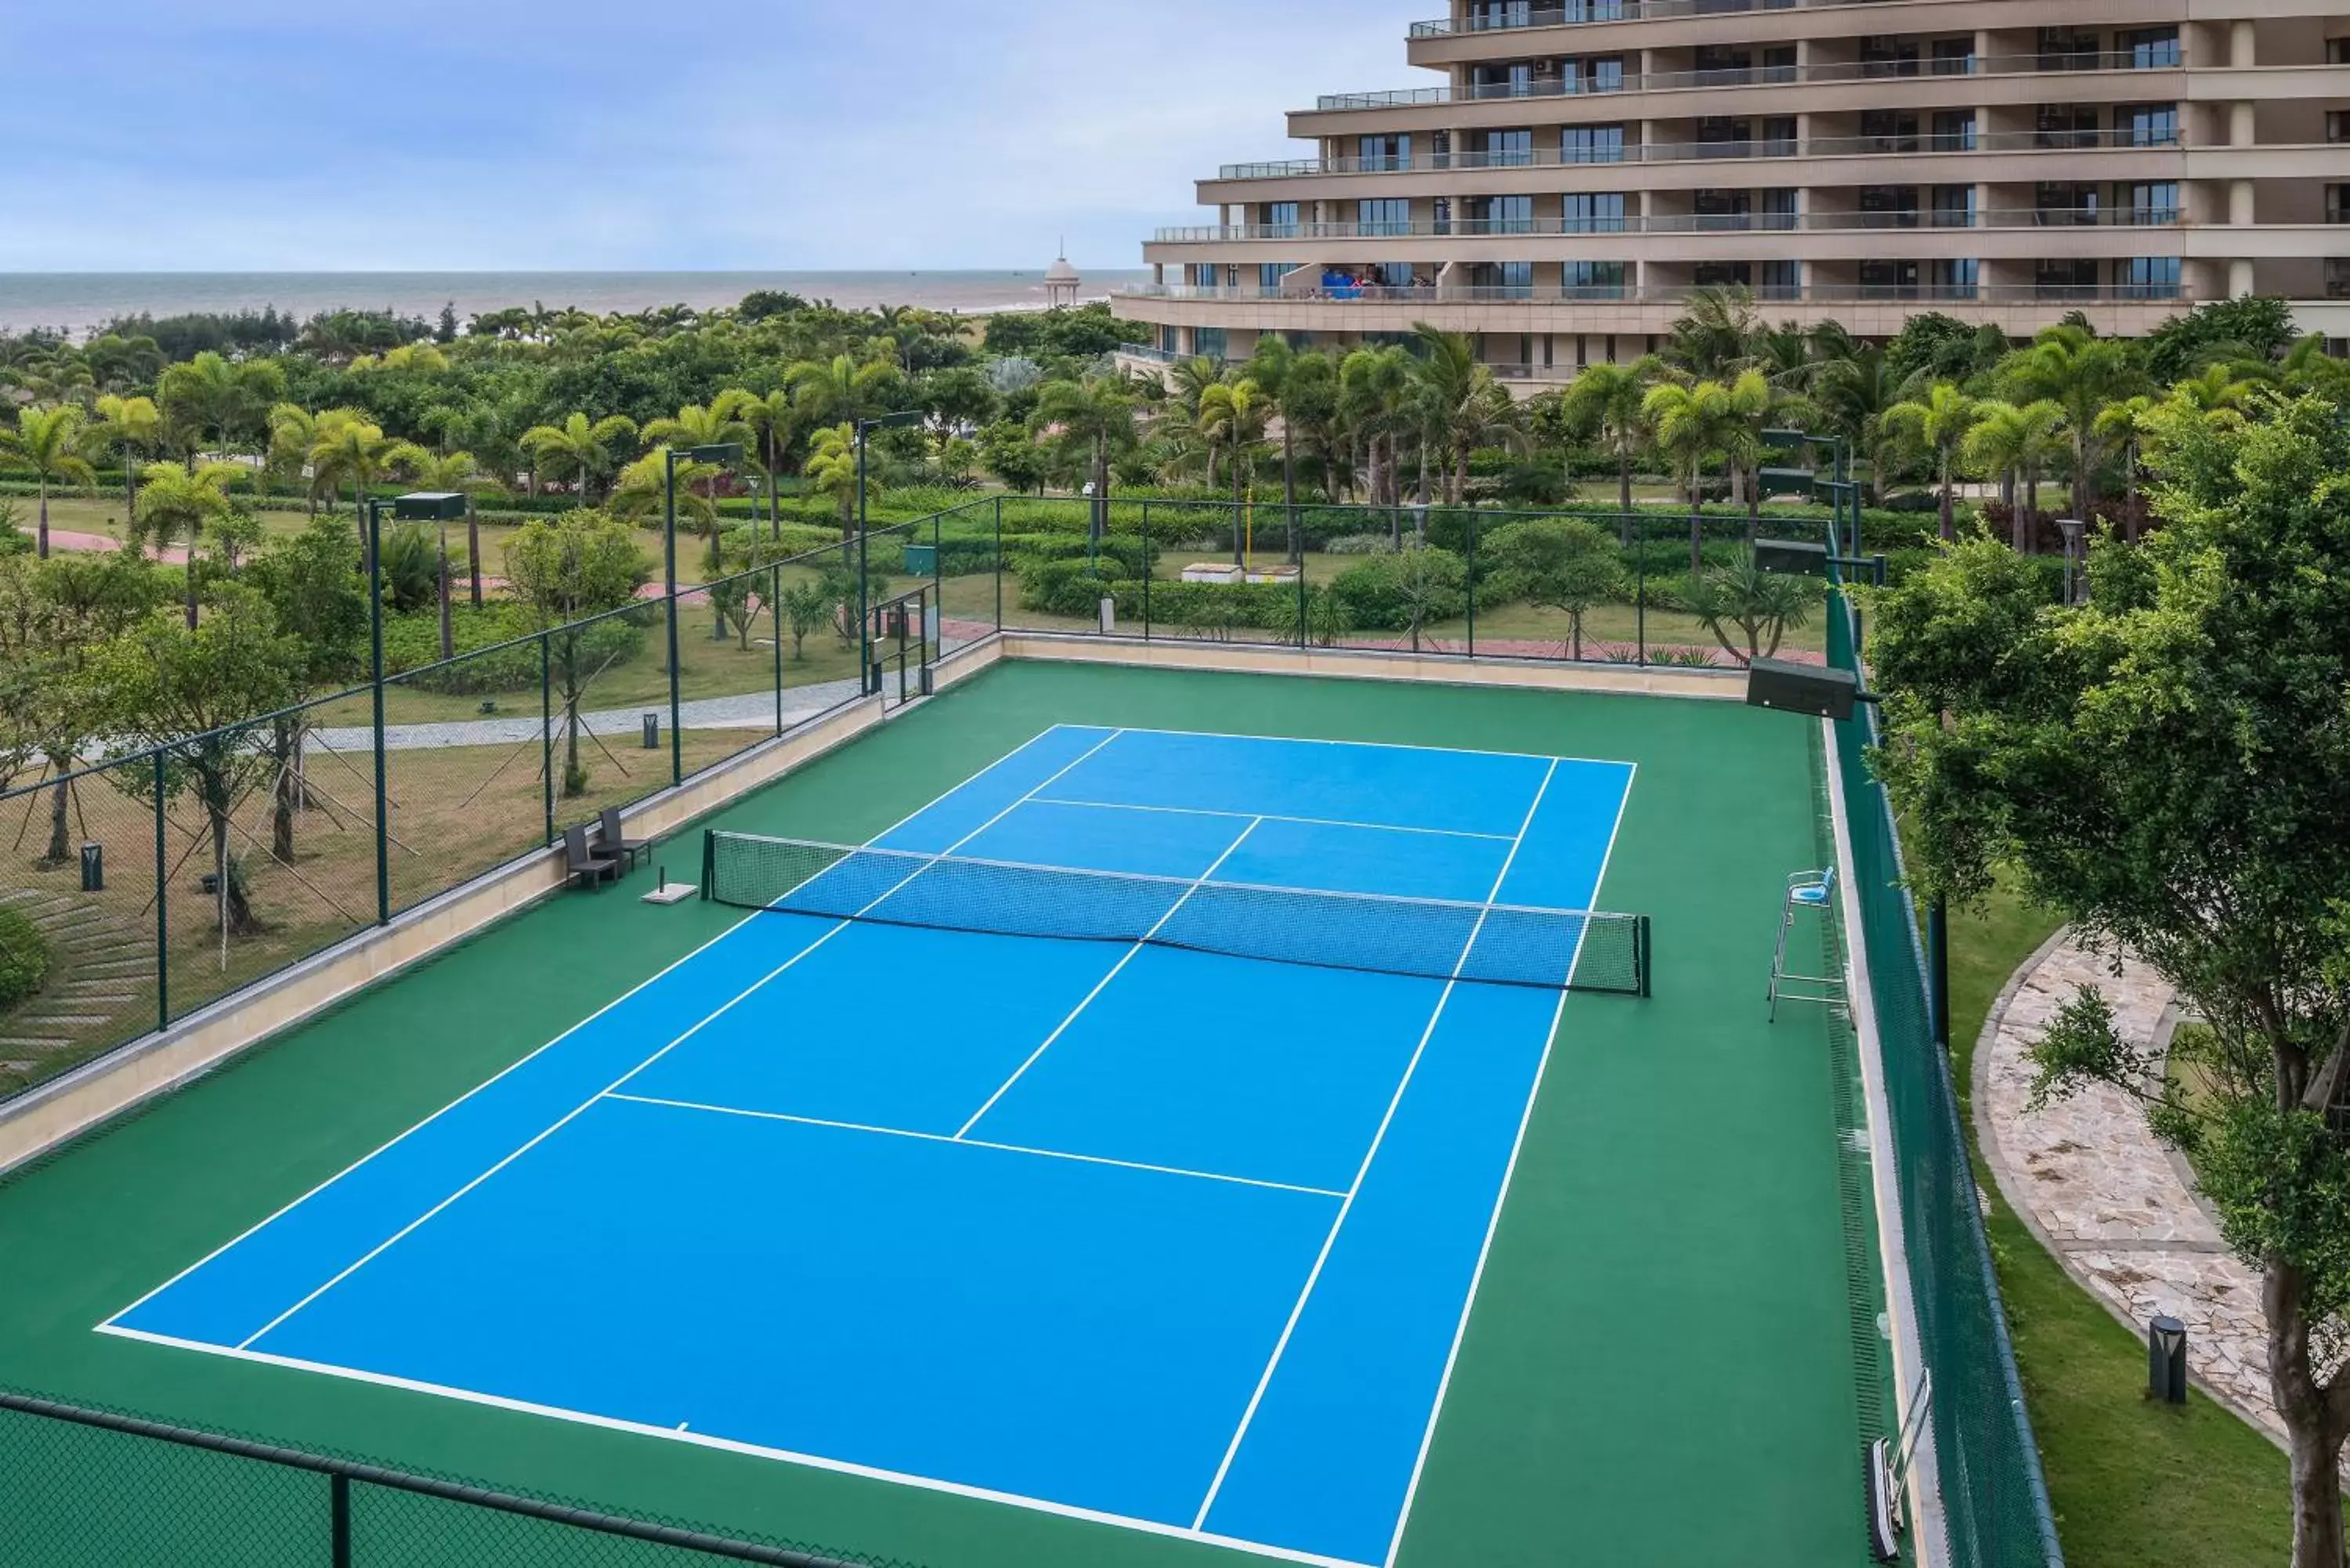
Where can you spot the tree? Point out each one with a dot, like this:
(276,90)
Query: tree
(1715,335)
(831,469)
(804,607)
(191,689)
(585,449)
(1853,391)
(1094,416)
(1563,564)
(176,503)
(314,587)
(2120,423)
(1008,449)
(1233,414)
(454,473)
(771,421)
(1605,401)
(56,617)
(2164,767)
(48,442)
(347,446)
(2016,444)
(1273,365)
(131,427)
(1374,398)
(2254,327)
(1760,606)
(2080,373)
(1309,408)
(210,398)
(839,391)
(955,398)
(562,573)
(1939,423)
(1690,424)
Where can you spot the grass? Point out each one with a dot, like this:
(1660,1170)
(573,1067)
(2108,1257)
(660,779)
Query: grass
(2134,1484)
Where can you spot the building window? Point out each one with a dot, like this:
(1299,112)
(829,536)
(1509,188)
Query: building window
(1376,217)
(1722,274)
(1883,56)
(1591,144)
(1953,277)
(1722,210)
(2065,125)
(1504,280)
(1954,206)
(1513,80)
(1508,148)
(1270,273)
(1888,130)
(1595,213)
(1500,214)
(1486,14)
(2065,49)
(1210,342)
(2149,201)
(1781,280)
(2149,48)
(1593,280)
(1600,73)
(2057,205)
(1779,208)
(1170,341)
(1591,11)
(1954,57)
(2337,203)
(1383,154)
(2070,279)
(1892,280)
(1954,131)
(1279,220)
(2147,277)
(2338,277)
(1206,275)
(1889,206)
(2147,124)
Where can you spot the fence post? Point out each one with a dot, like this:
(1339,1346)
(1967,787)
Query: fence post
(339,1504)
(999,564)
(775,619)
(162,919)
(1470,575)
(547,729)
(375,670)
(938,650)
(1147,570)
(1938,970)
(1305,599)
(1640,594)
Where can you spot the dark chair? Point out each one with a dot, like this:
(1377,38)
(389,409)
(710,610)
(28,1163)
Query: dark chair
(611,838)
(584,865)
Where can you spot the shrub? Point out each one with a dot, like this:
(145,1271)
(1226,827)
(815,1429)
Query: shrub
(24,958)
(412,643)
(1355,545)
(1411,590)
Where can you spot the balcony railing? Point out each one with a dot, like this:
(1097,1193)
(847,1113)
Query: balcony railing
(1672,223)
(1702,152)
(1751,76)
(1666,294)
(1572,12)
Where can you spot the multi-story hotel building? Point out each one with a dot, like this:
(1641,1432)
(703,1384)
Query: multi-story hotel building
(1583,164)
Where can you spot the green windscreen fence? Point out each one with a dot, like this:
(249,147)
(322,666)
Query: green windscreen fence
(1992,1488)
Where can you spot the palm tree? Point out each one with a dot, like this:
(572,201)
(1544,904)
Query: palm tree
(2080,373)
(347,446)
(1373,397)
(771,419)
(1273,365)
(1605,400)
(48,442)
(1691,423)
(831,469)
(1746,405)
(175,504)
(1096,415)
(456,473)
(841,390)
(1939,423)
(580,447)
(2015,442)
(1234,414)
(1463,406)
(210,398)
(1715,335)
(131,427)
(1309,404)
(1852,393)
(2124,422)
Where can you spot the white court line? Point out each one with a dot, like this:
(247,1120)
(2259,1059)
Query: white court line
(729,1445)
(728,1006)
(1378,746)
(1124,959)
(1501,1197)
(975,1143)
(397,1138)
(1314,1277)
(1269,816)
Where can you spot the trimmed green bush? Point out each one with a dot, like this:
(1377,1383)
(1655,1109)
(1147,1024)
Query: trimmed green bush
(24,958)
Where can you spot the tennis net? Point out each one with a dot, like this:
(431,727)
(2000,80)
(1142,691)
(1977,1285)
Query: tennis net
(1492,944)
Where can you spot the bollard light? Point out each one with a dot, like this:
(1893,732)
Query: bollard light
(2166,1361)
(653,732)
(93,867)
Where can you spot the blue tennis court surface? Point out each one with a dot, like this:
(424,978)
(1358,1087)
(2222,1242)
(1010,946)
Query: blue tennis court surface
(1178,1241)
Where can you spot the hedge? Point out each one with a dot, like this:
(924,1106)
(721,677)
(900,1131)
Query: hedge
(412,643)
(24,956)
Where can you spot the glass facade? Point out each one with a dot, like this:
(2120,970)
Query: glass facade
(1593,212)
(1591,144)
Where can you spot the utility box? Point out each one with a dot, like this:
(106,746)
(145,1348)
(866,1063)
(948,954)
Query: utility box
(921,560)
(1792,558)
(1809,688)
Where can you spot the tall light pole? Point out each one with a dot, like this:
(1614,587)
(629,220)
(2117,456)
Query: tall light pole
(866,684)
(724,453)
(419,506)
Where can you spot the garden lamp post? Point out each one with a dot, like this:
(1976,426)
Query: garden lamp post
(1839,484)
(419,506)
(724,453)
(866,684)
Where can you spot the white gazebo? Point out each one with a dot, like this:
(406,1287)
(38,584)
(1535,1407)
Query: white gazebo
(1061,281)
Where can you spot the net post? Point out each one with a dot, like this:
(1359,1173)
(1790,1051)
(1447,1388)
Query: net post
(709,861)
(1644,954)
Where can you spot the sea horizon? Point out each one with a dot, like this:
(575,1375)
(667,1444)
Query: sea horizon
(80,301)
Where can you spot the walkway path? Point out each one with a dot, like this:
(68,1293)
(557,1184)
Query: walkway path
(756,711)
(2113,1204)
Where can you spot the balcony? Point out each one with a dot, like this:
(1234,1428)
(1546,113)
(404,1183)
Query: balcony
(1680,151)
(1672,294)
(1573,12)
(1753,76)
(1674,224)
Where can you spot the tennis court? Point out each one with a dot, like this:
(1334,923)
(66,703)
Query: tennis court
(1282,1201)
(1161,1236)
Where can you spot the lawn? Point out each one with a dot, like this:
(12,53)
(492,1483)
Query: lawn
(2134,1484)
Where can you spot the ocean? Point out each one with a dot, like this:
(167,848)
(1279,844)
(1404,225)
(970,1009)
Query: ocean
(78,301)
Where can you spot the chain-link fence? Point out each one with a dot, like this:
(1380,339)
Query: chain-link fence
(104,1489)
(1993,1490)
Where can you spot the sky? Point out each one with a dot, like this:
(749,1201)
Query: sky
(304,135)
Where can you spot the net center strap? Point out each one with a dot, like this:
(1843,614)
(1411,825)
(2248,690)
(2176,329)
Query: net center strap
(1487,943)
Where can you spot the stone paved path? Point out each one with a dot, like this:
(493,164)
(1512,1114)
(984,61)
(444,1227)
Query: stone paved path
(2110,1201)
(754,711)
